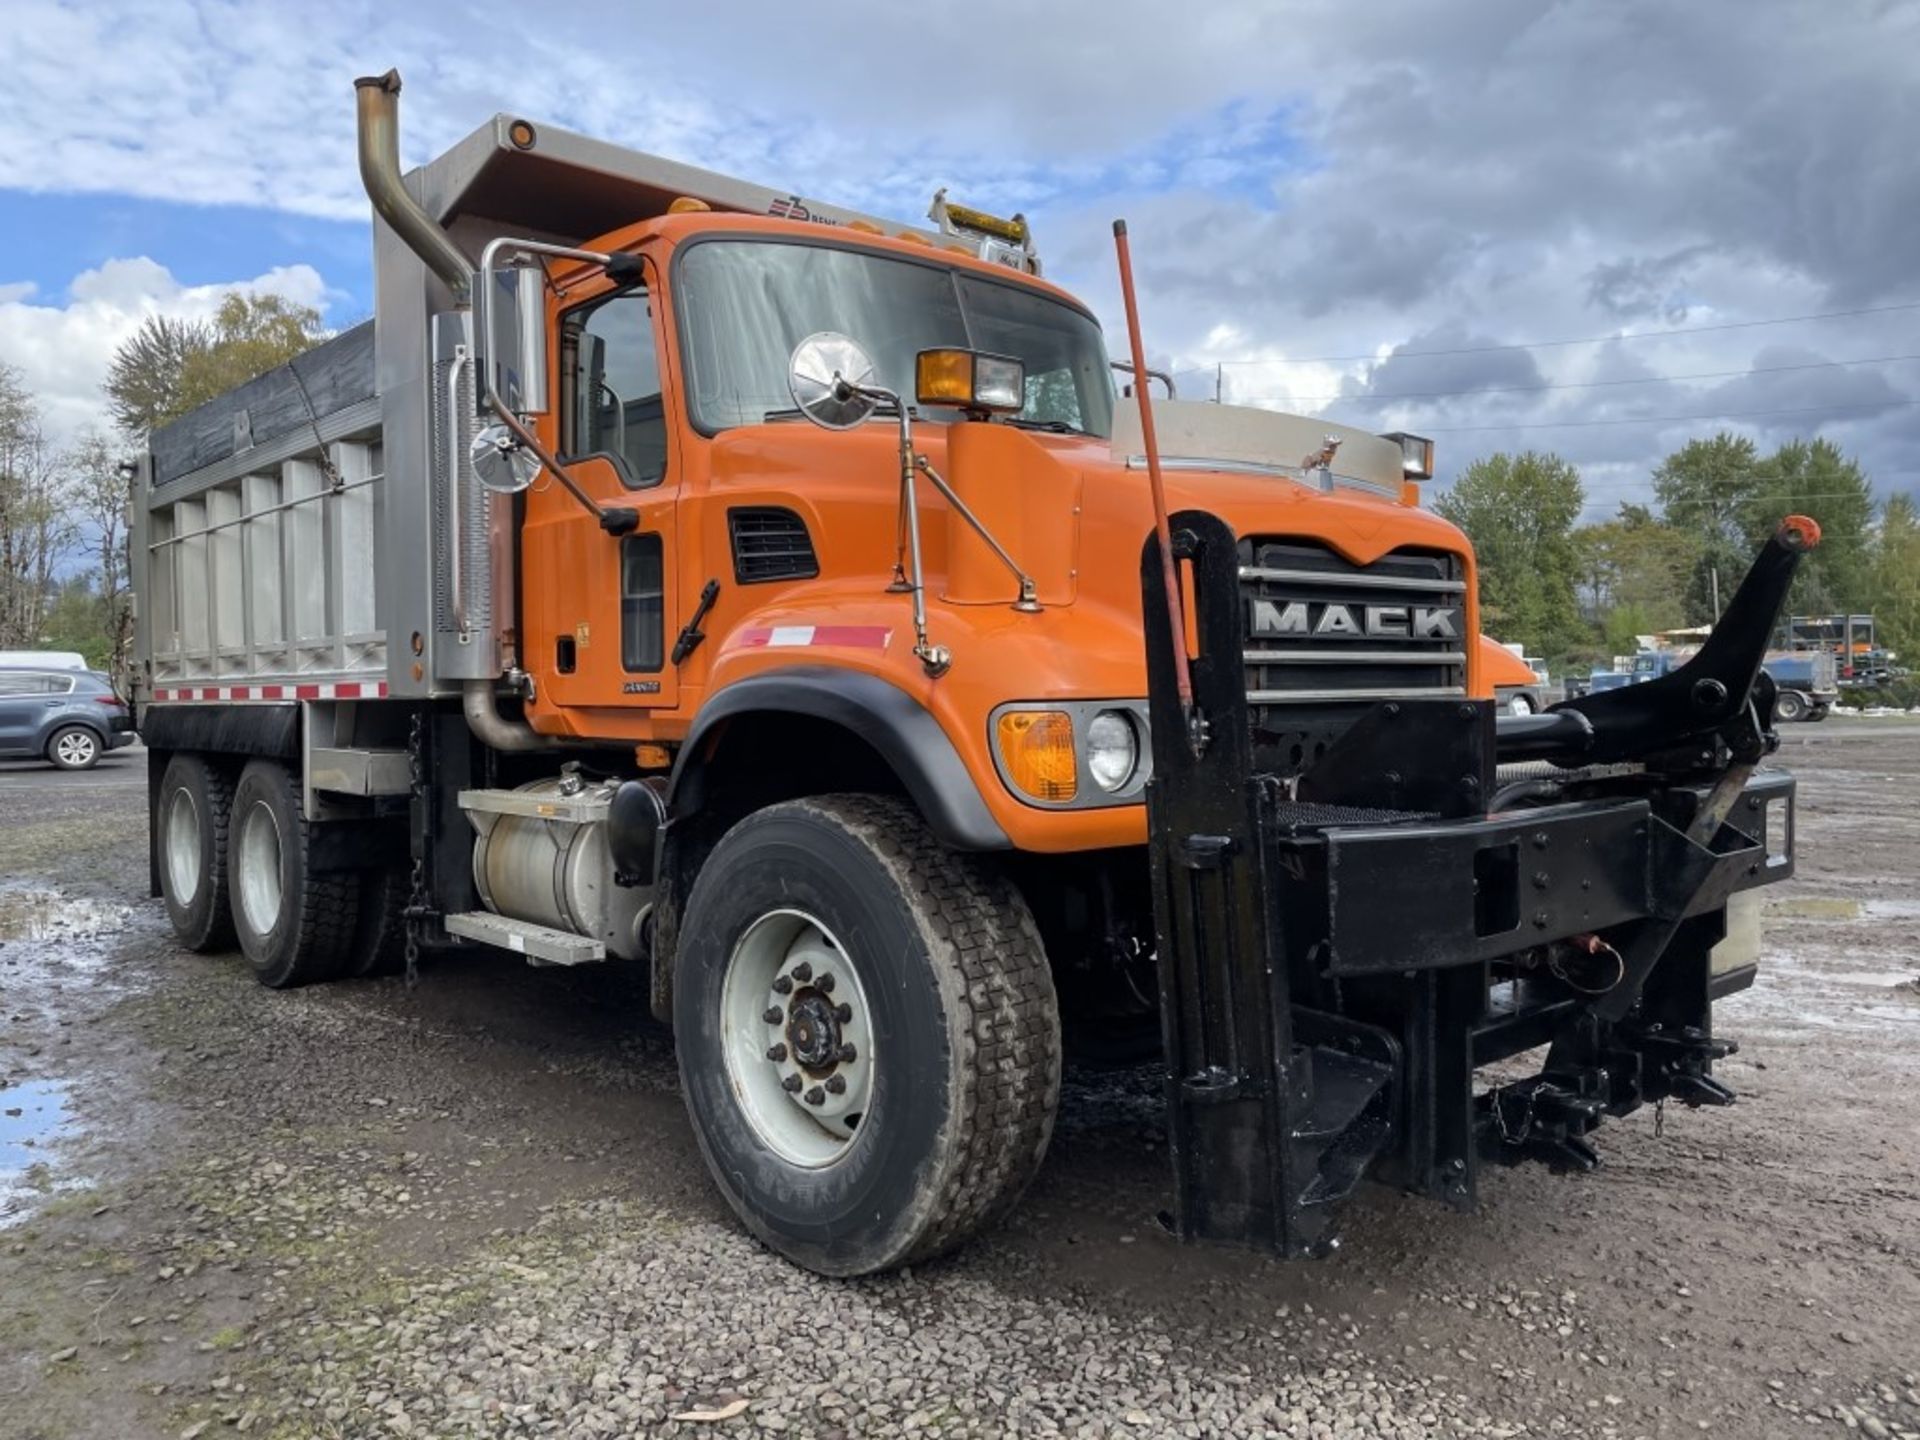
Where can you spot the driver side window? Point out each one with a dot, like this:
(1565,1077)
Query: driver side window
(612,379)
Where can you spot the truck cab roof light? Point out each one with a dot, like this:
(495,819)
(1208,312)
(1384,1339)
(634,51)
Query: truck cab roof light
(1416,454)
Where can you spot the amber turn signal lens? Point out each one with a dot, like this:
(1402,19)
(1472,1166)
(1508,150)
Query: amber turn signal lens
(1036,747)
(944,377)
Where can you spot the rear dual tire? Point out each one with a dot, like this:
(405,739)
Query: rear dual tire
(295,925)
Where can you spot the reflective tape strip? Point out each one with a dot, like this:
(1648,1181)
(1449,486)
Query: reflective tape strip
(320,690)
(854,637)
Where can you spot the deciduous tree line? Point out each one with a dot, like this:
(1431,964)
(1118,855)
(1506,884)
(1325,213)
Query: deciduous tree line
(1579,594)
(65,511)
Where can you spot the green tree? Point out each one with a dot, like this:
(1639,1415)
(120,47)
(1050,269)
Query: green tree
(1706,490)
(1816,478)
(169,367)
(1896,578)
(1636,562)
(37,529)
(1518,510)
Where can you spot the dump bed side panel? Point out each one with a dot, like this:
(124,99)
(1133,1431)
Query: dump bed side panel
(259,529)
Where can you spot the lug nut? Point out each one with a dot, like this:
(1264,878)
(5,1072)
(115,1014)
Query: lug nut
(783,985)
(776,1053)
(803,972)
(773,1015)
(836,1084)
(790,1083)
(843,1013)
(847,1055)
(816,1096)
(824,984)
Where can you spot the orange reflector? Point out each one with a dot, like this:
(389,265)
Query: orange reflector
(1801,532)
(687,205)
(912,237)
(1036,747)
(865,227)
(944,377)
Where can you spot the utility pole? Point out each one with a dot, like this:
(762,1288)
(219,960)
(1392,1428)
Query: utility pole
(1219,369)
(1713,575)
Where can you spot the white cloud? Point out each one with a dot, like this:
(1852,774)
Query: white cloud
(1307,179)
(62,347)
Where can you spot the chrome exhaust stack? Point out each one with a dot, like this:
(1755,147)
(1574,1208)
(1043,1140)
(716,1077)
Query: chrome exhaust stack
(377,103)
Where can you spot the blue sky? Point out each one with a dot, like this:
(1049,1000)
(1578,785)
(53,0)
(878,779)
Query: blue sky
(1318,192)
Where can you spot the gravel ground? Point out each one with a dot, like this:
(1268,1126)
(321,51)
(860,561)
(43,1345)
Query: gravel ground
(475,1208)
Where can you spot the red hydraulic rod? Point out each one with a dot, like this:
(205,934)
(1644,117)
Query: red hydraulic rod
(1170,578)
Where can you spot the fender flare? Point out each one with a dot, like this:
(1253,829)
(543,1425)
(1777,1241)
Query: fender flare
(899,728)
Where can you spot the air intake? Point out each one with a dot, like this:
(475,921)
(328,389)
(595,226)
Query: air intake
(770,543)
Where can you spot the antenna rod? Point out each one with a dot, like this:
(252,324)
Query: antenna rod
(1170,579)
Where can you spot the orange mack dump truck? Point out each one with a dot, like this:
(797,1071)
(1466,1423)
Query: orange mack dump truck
(680,573)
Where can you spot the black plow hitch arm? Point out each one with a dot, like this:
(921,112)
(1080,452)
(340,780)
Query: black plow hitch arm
(1359,914)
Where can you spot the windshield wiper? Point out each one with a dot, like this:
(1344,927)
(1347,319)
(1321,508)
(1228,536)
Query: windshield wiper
(1052,427)
(790,412)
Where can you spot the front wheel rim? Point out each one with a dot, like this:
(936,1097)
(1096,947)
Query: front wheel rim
(260,868)
(74,749)
(798,1038)
(183,846)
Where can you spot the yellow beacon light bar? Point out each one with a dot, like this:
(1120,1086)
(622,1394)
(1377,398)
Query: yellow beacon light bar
(1014,232)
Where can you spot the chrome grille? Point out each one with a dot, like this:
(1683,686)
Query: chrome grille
(1318,629)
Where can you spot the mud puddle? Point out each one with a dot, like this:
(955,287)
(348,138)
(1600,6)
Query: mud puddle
(33,914)
(34,1115)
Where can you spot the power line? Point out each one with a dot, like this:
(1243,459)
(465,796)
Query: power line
(1571,384)
(1665,419)
(1584,340)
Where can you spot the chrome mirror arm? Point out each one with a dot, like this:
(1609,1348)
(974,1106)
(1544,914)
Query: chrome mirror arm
(1029,600)
(936,660)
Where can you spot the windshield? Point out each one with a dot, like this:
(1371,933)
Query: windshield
(745,304)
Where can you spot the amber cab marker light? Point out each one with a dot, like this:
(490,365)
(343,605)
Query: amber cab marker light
(1036,747)
(969,380)
(521,134)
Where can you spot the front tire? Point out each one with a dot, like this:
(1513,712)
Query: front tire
(939,1024)
(190,819)
(295,924)
(1790,706)
(73,747)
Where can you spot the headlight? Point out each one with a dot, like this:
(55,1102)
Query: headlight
(1113,749)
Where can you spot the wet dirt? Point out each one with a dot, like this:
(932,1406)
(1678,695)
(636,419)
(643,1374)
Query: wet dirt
(287,1214)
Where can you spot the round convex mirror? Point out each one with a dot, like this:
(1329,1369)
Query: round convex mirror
(501,462)
(824,376)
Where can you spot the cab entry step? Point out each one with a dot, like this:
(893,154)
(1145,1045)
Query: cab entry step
(541,944)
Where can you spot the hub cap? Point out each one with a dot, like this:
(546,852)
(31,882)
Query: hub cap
(260,868)
(796,1035)
(183,846)
(74,749)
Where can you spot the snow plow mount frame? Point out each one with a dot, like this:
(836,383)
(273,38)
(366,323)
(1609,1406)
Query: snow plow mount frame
(1341,949)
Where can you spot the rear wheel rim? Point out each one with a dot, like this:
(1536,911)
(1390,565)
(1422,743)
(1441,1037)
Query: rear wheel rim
(798,1038)
(183,846)
(74,748)
(260,868)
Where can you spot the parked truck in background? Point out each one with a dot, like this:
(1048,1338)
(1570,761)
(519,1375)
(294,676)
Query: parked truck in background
(1804,683)
(1520,681)
(686,574)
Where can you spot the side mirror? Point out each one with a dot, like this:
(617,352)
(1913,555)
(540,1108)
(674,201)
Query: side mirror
(829,377)
(512,329)
(501,463)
